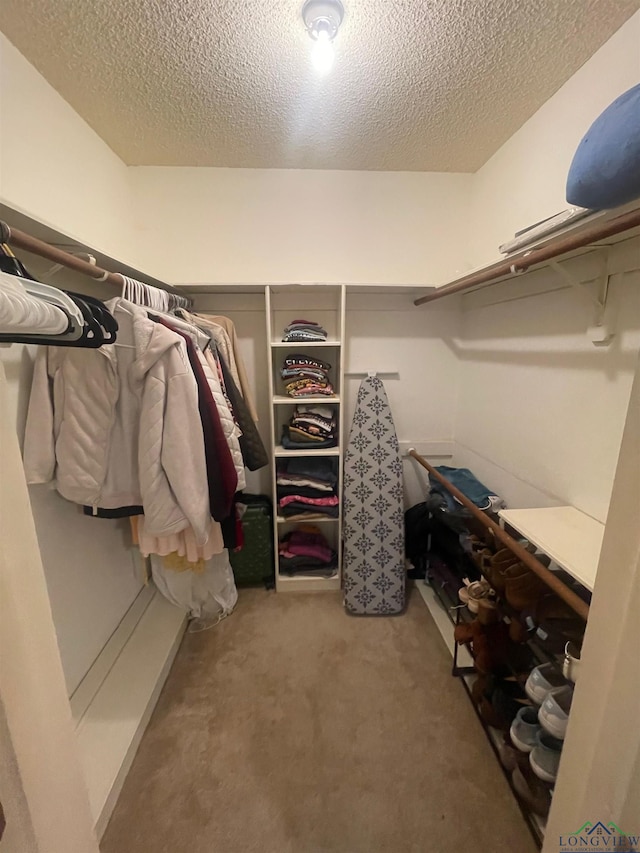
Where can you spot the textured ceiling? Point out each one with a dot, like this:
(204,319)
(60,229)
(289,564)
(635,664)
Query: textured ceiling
(432,85)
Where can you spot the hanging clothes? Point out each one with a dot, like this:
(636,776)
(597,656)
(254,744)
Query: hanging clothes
(207,595)
(235,359)
(201,343)
(221,473)
(183,544)
(119,426)
(254,453)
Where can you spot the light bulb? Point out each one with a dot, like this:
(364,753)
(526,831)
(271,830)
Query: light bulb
(322,53)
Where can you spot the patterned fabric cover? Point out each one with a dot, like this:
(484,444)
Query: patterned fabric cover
(374,569)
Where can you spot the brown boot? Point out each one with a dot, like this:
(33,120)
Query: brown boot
(496,567)
(523,588)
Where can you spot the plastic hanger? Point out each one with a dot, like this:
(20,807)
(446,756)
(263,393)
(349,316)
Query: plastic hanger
(21,313)
(54,296)
(101,313)
(83,332)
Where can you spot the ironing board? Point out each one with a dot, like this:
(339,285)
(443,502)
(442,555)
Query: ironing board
(374,567)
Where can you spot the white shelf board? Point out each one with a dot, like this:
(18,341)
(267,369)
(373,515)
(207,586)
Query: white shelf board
(571,538)
(279,450)
(301,583)
(304,344)
(282,399)
(21,219)
(282,520)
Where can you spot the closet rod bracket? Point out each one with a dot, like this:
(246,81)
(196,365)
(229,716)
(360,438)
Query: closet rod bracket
(596,290)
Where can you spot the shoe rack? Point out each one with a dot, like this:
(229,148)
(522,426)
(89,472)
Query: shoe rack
(483,650)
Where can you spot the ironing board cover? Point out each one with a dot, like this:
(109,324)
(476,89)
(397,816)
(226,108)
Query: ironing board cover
(374,568)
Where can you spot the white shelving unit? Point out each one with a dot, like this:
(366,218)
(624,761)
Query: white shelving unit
(571,538)
(325,304)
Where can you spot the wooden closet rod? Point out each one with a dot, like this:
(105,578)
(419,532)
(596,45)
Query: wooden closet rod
(21,240)
(555,584)
(523,260)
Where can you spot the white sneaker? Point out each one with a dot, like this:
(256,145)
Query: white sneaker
(554,711)
(545,757)
(543,679)
(525,729)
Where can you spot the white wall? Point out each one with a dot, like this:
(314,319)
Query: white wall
(600,769)
(387,333)
(525,180)
(54,167)
(541,409)
(384,333)
(202,225)
(32,694)
(18,835)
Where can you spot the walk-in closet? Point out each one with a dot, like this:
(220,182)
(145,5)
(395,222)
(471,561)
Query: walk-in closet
(319,426)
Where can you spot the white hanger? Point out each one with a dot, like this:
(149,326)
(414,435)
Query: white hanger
(25,314)
(54,297)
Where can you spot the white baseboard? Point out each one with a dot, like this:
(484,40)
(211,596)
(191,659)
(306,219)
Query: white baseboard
(83,695)
(111,727)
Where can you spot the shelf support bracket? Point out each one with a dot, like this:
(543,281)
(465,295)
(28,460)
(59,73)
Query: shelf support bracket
(596,290)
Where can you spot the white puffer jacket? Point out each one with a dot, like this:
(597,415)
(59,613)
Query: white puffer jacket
(120,426)
(231,431)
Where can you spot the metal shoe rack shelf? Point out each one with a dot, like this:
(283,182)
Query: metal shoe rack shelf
(458,614)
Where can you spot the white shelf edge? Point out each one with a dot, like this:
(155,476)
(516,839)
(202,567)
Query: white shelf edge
(568,536)
(300,583)
(282,400)
(282,520)
(318,451)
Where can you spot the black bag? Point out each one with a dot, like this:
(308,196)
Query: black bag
(417,527)
(254,564)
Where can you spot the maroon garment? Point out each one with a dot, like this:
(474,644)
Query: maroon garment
(221,472)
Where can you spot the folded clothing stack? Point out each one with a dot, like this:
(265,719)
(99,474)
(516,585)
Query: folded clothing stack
(304,330)
(305,376)
(306,551)
(307,488)
(311,426)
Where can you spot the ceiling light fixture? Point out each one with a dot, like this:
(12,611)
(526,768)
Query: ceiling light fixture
(322,18)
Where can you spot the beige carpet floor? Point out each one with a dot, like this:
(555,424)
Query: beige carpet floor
(294,728)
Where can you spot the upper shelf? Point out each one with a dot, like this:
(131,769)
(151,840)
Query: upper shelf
(571,538)
(18,219)
(604,228)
